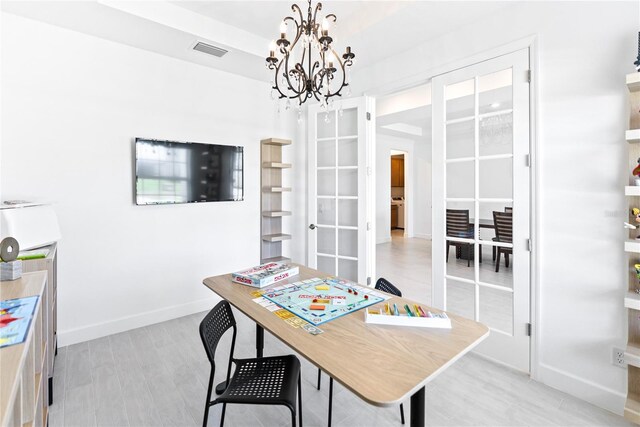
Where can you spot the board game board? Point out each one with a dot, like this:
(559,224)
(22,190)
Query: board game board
(15,317)
(320,300)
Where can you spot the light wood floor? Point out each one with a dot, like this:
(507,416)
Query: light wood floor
(157,375)
(407,264)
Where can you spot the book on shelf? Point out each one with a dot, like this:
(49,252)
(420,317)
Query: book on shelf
(265,274)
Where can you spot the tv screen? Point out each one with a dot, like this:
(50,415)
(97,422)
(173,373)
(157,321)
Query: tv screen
(187,172)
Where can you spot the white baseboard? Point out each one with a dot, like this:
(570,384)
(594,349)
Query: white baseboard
(596,394)
(383,240)
(422,236)
(98,330)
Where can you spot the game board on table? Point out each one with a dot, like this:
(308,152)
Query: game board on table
(320,300)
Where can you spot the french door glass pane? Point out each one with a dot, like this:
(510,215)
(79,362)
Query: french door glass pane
(348,152)
(461,179)
(496,178)
(348,243)
(460,100)
(326,123)
(327,211)
(459,217)
(460,139)
(460,257)
(496,134)
(461,261)
(326,240)
(348,269)
(488,274)
(496,309)
(348,212)
(348,122)
(326,153)
(348,182)
(327,182)
(327,265)
(461,298)
(496,117)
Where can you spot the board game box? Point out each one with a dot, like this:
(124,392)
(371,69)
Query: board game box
(320,300)
(265,274)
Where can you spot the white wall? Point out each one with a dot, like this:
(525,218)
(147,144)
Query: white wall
(71,105)
(585,49)
(422,190)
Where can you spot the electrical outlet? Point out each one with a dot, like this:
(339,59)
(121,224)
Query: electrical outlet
(617,358)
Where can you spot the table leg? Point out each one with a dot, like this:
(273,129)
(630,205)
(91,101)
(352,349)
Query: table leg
(417,408)
(259,340)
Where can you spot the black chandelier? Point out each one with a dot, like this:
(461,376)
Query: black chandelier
(321,76)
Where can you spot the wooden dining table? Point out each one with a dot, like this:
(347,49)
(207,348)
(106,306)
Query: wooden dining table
(381,364)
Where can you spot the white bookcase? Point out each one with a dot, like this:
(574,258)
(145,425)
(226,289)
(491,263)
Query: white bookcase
(632,247)
(272,200)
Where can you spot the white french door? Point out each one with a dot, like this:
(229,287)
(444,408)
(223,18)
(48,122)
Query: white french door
(481,201)
(339,155)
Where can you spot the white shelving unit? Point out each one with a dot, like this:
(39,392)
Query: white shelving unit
(632,247)
(272,227)
(633,136)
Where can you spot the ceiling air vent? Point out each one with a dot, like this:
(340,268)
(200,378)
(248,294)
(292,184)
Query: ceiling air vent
(210,49)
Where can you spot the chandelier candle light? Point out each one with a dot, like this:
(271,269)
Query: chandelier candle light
(320,72)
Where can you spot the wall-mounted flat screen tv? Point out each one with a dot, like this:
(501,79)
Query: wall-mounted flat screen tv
(187,172)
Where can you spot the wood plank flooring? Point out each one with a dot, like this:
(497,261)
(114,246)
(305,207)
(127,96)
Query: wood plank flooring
(157,376)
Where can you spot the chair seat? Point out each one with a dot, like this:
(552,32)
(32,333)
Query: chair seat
(503,249)
(266,380)
(462,235)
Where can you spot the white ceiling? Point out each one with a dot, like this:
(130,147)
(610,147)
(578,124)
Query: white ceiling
(374,29)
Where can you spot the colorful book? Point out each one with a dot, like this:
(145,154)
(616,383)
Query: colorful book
(265,274)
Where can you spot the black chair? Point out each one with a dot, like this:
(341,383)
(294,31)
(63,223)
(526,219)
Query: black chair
(382,285)
(458,225)
(503,223)
(259,381)
(495,239)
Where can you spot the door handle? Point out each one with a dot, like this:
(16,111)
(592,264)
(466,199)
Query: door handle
(312,226)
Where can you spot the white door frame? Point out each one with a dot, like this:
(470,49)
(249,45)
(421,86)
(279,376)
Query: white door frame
(408,189)
(517,342)
(425,76)
(366,209)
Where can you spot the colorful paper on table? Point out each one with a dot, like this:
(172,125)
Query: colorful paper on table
(313,330)
(15,318)
(297,298)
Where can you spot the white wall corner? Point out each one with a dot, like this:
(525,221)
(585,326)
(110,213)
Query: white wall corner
(383,240)
(126,323)
(601,396)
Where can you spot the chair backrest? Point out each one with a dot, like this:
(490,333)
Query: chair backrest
(218,321)
(503,222)
(508,209)
(458,223)
(384,285)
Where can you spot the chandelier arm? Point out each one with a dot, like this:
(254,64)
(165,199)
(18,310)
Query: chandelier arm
(290,89)
(276,86)
(286,73)
(344,77)
(296,8)
(315,14)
